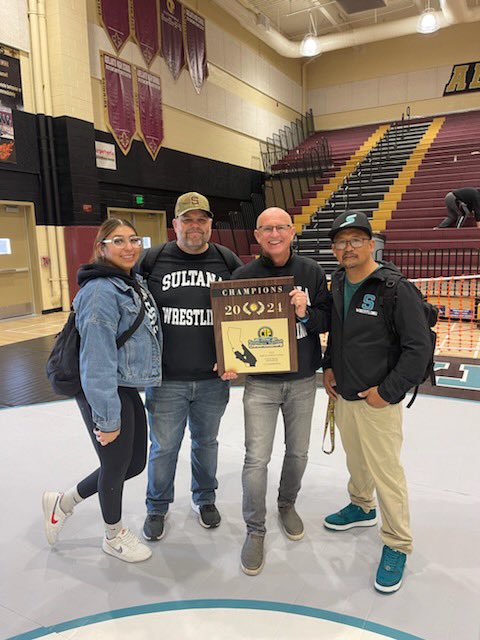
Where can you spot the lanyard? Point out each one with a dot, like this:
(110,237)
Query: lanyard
(329,426)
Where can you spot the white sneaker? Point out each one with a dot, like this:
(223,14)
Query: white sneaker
(54,517)
(127,547)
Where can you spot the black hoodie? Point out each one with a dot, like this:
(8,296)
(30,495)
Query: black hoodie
(362,351)
(310,277)
(95,270)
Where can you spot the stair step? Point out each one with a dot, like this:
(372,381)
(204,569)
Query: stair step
(413,213)
(434,244)
(434,234)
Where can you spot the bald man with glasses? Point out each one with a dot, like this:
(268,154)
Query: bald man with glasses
(292,393)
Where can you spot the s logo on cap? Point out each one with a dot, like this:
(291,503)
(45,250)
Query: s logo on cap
(349,220)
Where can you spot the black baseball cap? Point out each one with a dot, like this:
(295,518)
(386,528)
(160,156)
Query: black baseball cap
(350,220)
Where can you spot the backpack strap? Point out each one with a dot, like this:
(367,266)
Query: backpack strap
(414,395)
(121,340)
(388,299)
(148,260)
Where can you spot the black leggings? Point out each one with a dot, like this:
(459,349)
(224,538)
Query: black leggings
(120,460)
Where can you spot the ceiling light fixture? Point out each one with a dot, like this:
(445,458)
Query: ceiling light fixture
(309,46)
(428,21)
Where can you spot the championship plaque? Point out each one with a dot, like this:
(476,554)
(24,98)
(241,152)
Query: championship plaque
(255,326)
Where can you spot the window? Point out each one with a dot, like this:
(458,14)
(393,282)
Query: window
(5,247)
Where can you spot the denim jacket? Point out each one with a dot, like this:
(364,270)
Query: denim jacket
(105,308)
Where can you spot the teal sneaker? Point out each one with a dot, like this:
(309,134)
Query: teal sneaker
(349,517)
(390,570)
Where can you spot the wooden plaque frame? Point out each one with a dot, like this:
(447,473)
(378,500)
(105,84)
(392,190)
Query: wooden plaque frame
(255,325)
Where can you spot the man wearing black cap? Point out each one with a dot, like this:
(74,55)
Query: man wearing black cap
(368,372)
(179,274)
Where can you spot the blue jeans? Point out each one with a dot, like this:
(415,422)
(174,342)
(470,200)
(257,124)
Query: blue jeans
(203,404)
(262,401)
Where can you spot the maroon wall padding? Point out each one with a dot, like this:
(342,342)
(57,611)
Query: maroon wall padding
(215,237)
(247,259)
(78,249)
(171,234)
(226,238)
(242,244)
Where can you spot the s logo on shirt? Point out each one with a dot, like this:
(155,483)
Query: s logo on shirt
(368,301)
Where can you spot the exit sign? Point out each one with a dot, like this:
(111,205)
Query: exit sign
(138,199)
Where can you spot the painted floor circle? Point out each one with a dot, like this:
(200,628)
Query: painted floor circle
(218,619)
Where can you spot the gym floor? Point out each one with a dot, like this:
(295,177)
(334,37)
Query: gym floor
(320,587)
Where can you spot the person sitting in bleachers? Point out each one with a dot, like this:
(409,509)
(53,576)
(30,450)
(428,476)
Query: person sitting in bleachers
(459,204)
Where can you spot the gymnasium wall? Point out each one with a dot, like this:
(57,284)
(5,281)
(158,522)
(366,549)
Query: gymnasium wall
(251,91)
(377,81)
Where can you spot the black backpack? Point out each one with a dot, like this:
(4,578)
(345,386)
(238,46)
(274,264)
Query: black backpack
(150,256)
(63,370)
(388,300)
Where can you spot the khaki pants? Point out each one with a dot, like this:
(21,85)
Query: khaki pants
(372,439)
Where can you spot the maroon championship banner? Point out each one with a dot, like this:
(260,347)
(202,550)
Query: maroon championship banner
(115,20)
(149,103)
(195,47)
(119,100)
(172,36)
(145,28)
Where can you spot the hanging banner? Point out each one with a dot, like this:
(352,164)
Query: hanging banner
(195,47)
(149,104)
(114,18)
(10,82)
(119,100)
(7,136)
(145,28)
(171,36)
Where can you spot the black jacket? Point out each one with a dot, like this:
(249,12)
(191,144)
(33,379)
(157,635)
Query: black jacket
(310,277)
(362,351)
(471,197)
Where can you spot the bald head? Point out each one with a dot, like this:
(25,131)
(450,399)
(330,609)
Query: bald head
(274,234)
(273,213)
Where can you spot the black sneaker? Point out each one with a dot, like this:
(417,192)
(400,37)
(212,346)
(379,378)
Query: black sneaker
(154,527)
(208,515)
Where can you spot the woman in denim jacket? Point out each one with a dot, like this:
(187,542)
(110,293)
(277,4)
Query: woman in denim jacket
(108,303)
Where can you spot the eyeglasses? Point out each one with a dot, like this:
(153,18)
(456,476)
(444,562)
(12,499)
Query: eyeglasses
(120,241)
(281,228)
(355,243)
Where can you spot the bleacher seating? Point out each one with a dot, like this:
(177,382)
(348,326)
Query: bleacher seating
(453,161)
(364,188)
